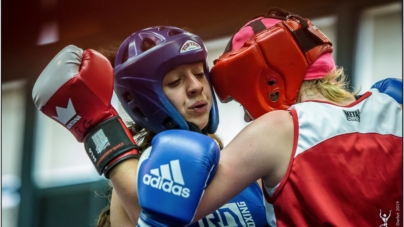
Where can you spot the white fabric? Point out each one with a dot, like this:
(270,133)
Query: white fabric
(64,66)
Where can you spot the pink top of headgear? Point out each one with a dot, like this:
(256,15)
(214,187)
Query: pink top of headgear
(246,32)
(320,68)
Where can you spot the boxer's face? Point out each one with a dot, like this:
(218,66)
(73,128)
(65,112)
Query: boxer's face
(187,87)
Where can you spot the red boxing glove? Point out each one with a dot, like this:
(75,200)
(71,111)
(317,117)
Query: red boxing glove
(75,89)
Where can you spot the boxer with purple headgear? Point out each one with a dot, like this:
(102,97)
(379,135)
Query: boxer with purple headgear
(162,80)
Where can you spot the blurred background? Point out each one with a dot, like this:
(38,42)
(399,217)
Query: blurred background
(47,179)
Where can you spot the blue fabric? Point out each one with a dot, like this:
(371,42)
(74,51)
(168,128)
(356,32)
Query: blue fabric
(246,209)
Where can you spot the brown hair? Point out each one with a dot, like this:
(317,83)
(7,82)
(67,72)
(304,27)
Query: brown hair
(104,218)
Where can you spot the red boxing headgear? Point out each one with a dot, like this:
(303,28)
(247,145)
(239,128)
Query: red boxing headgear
(265,63)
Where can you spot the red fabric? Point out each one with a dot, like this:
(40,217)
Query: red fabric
(323,65)
(309,198)
(343,171)
(90,93)
(264,71)
(244,74)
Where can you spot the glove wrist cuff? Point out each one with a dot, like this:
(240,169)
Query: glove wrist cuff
(108,144)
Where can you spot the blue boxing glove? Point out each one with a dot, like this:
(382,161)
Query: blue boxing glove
(245,209)
(172,176)
(392,87)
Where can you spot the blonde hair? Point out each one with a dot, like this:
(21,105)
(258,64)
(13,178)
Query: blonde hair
(334,86)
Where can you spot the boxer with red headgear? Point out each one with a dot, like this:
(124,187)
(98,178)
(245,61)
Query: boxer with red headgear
(322,154)
(265,63)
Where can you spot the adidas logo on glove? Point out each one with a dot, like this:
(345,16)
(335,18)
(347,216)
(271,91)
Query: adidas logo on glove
(168,178)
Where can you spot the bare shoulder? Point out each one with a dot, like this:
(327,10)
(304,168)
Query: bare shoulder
(266,130)
(260,151)
(275,130)
(280,145)
(277,118)
(265,144)
(272,126)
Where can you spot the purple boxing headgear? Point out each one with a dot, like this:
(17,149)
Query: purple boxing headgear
(141,63)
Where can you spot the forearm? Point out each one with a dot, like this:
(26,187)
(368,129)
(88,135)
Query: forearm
(124,181)
(118,215)
(220,191)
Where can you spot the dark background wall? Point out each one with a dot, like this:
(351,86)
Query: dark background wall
(96,24)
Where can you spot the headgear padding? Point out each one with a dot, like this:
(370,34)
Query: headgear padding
(266,72)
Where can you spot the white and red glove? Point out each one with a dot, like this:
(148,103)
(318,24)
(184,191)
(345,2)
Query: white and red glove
(75,89)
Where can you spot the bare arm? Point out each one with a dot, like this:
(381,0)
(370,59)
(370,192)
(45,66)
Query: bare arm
(124,180)
(261,150)
(118,215)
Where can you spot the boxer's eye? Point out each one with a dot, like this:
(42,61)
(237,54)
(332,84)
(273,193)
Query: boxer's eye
(174,83)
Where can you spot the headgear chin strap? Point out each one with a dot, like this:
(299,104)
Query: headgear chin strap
(266,73)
